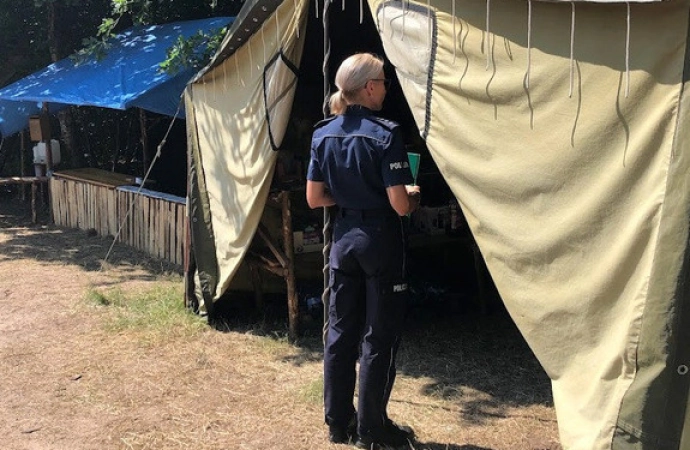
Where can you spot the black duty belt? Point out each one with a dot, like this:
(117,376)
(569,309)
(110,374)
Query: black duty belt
(367,213)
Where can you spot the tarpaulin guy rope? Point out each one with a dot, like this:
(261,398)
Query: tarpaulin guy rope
(143,182)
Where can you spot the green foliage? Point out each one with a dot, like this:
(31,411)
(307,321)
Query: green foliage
(156,312)
(312,392)
(193,52)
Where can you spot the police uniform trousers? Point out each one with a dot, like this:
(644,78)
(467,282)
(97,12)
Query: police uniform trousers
(367,306)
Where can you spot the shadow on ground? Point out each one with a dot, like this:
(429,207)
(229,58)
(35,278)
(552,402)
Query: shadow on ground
(47,243)
(477,358)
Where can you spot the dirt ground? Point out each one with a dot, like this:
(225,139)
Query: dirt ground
(71,383)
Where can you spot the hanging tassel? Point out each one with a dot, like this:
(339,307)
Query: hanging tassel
(529,43)
(225,77)
(263,42)
(402,38)
(296,21)
(455,34)
(277,28)
(428,21)
(572,47)
(361,11)
(627,53)
(317,7)
(237,70)
(251,59)
(383,18)
(488,35)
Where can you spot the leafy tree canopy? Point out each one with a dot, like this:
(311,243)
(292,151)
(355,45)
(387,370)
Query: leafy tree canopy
(192,52)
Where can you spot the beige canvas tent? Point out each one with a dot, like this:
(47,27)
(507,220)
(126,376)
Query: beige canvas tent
(560,128)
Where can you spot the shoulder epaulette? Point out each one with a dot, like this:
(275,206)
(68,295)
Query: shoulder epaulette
(323,122)
(385,123)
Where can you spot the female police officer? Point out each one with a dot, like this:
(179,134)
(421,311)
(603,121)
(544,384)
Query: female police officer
(359,164)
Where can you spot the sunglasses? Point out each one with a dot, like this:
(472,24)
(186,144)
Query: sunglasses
(386,82)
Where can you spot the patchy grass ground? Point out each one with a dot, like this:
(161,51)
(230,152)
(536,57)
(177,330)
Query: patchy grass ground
(96,358)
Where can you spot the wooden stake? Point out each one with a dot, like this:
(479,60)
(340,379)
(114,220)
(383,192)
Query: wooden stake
(293,305)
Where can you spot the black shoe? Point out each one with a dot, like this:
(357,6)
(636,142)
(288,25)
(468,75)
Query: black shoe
(343,435)
(399,429)
(392,436)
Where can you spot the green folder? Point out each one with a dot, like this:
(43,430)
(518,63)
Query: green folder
(414,165)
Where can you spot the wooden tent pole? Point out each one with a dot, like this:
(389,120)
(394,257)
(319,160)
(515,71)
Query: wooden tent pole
(293,306)
(144,139)
(189,262)
(22,150)
(46,135)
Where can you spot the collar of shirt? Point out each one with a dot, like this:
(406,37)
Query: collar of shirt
(358,110)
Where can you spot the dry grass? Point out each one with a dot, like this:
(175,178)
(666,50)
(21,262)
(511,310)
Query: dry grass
(115,362)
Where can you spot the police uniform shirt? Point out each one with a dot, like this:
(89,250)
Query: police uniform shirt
(357,156)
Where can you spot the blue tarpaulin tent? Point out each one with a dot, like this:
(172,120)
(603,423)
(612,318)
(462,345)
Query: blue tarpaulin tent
(128,76)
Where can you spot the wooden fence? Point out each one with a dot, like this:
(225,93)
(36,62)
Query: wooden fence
(146,220)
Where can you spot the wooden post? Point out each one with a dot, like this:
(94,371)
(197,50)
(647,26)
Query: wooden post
(256,285)
(46,135)
(33,203)
(22,150)
(144,139)
(293,305)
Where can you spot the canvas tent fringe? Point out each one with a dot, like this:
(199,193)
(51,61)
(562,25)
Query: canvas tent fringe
(627,51)
(529,43)
(488,34)
(455,34)
(296,21)
(402,37)
(237,69)
(572,46)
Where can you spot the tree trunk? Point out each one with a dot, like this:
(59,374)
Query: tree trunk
(65,117)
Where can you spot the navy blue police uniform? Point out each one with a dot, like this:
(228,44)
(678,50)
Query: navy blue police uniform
(357,156)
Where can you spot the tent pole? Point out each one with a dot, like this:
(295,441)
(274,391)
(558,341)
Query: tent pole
(144,139)
(327,226)
(22,149)
(293,306)
(189,262)
(46,135)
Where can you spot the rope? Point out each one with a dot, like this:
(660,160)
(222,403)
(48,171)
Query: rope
(627,52)
(572,47)
(141,186)
(327,226)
